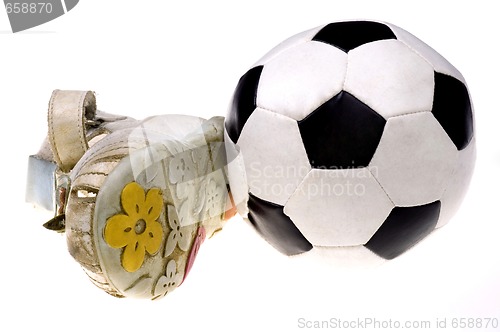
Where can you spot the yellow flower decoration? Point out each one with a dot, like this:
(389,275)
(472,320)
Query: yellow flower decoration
(138,229)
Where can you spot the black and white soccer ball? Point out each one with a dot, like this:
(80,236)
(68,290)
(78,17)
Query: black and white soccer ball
(353,135)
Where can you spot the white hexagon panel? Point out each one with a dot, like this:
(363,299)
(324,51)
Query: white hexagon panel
(414,160)
(304,77)
(273,172)
(390,78)
(436,60)
(346,206)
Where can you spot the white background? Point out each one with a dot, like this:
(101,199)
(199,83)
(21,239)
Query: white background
(155,57)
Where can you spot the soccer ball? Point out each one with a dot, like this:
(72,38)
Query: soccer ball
(353,135)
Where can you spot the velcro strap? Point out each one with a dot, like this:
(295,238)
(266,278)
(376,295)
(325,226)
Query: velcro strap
(68,112)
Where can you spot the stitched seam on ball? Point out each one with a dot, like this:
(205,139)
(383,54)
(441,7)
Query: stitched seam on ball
(346,72)
(411,113)
(276,113)
(450,177)
(382,187)
(296,189)
(417,53)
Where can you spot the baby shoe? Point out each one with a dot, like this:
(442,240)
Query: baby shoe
(135,199)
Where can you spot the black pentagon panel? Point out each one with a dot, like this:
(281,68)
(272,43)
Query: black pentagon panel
(276,227)
(452,108)
(243,103)
(341,133)
(349,35)
(403,228)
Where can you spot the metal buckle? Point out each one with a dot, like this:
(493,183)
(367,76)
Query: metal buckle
(48,188)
